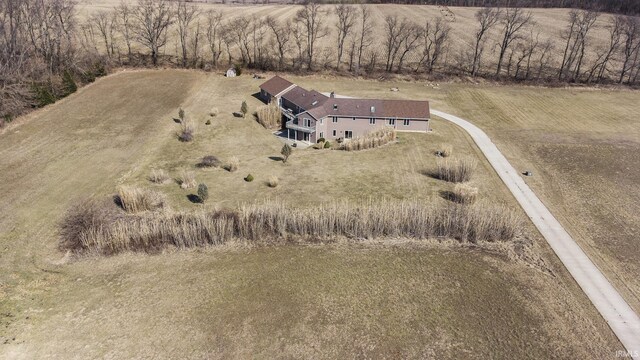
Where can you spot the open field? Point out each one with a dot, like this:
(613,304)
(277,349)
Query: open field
(342,300)
(550,23)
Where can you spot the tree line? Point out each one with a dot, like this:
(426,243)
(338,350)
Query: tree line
(46,48)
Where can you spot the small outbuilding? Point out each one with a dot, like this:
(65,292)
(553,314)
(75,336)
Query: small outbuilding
(231,72)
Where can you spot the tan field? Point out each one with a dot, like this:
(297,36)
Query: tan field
(548,25)
(387,299)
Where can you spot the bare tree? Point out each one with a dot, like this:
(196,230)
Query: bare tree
(123,14)
(411,36)
(213,34)
(297,32)
(396,33)
(604,55)
(106,24)
(186,13)
(513,20)
(545,49)
(258,36)
(281,35)
(152,20)
(241,30)
(346,15)
(434,39)
(312,17)
(580,23)
(487,18)
(630,49)
(365,38)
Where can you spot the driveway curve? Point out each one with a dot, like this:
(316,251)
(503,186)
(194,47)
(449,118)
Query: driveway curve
(624,322)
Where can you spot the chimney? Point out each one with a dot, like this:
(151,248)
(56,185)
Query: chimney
(335,106)
(373,109)
(332,95)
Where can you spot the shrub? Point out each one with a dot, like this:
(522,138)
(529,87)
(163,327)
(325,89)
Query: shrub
(203,193)
(446,151)
(187,179)
(244,108)
(209,161)
(214,112)
(321,140)
(327,145)
(159,176)
(269,116)
(68,83)
(370,140)
(249,178)
(273,181)
(455,170)
(238,69)
(133,199)
(464,194)
(286,151)
(208,122)
(233,164)
(187,130)
(181,114)
(273,222)
(83,220)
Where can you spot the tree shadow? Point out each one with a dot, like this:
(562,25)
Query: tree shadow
(194,198)
(177,121)
(276,158)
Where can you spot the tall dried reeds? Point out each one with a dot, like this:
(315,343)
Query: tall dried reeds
(270,116)
(370,140)
(273,221)
(159,176)
(187,179)
(133,199)
(455,170)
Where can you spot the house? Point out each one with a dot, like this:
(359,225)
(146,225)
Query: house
(231,72)
(310,115)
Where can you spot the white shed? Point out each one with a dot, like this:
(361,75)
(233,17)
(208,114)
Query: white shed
(231,72)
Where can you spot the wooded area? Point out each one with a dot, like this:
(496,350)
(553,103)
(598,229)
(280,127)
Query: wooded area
(46,48)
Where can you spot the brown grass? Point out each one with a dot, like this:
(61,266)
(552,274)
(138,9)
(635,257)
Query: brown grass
(159,176)
(370,140)
(273,181)
(269,116)
(455,170)
(463,194)
(445,150)
(133,199)
(187,179)
(273,221)
(233,164)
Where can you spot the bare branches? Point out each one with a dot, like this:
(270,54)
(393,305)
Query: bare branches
(281,36)
(312,18)
(152,20)
(513,20)
(487,18)
(346,15)
(435,37)
(185,13)
(580,23)
(214,34)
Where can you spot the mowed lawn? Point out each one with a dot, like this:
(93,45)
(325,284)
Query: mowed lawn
(342,300)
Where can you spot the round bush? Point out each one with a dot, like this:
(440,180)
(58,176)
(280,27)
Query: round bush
(321,140)
(249,178)
(327,145)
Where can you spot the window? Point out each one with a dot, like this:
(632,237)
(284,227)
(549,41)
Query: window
(372,121)
(321,121)
(321,135)
(334,119)
(348,134)
(405,122)
(334,133)
(307,122)
(392,122)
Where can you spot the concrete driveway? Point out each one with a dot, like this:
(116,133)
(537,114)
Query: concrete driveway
(624,322)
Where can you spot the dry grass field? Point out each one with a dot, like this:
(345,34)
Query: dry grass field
(394,299)
(580,143)
(550,23)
